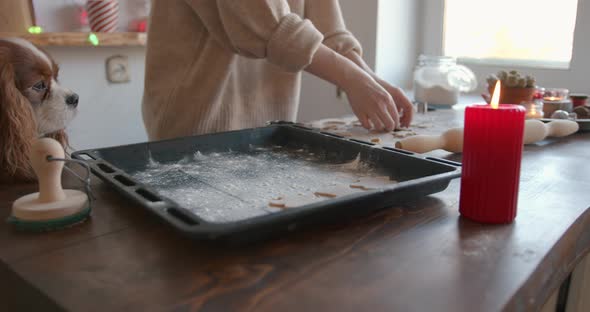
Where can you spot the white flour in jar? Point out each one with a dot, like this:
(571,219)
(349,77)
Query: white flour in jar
(435,94)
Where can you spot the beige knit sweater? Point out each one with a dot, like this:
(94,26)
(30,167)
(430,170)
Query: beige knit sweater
(218,65)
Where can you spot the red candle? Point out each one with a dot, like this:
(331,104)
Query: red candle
(492,151)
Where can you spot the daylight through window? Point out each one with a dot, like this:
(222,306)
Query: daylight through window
(508,32)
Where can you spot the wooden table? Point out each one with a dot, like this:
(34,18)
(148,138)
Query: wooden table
(419,256)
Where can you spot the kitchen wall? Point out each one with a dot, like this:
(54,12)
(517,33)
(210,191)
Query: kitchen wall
(109,114)
(61,15)
(397,44)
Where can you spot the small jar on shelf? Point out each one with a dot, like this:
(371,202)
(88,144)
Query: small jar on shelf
(555,99)
(534,109)
(139,18)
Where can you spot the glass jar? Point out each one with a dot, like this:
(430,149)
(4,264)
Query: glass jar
(556,94)
(534,109)
(438,80)
(138,18)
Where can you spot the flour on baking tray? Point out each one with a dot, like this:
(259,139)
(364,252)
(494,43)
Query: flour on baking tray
(232,186)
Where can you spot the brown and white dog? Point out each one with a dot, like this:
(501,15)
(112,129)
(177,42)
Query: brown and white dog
(32,105)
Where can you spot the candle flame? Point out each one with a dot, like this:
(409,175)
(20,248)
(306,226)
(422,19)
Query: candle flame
(496,97)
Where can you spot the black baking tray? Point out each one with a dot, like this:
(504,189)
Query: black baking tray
(417,175)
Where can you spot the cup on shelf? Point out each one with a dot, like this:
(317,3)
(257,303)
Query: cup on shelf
(103,15)
(579,99)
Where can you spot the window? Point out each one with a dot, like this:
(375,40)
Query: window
(537,33)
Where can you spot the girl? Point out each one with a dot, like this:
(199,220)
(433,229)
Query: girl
(219,65)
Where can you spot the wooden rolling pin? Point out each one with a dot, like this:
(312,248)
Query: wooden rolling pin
(452,139)
(536,130)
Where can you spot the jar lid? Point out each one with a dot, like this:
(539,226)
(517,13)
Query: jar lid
(436,59)
(580,96)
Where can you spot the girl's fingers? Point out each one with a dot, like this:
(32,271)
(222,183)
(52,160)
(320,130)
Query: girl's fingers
(393,112)
(403,103)
(407,116)
(364,120)
(376,121)
(387,119)
(408,109)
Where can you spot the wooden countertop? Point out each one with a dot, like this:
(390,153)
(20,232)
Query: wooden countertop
(419,256)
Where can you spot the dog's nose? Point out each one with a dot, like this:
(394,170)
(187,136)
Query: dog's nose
(72,100)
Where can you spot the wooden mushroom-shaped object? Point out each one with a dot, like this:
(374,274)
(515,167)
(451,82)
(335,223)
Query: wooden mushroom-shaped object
(51,202)
(452,140)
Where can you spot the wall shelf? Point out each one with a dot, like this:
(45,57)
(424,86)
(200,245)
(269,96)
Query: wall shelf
(80,39)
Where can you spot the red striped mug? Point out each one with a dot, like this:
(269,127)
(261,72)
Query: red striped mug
(103,15)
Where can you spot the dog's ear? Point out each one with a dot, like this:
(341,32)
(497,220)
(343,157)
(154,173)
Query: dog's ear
(17,126)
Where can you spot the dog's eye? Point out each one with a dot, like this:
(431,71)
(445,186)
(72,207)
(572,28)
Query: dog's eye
(40,86)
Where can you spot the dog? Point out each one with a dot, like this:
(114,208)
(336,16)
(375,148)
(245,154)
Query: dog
(32,104)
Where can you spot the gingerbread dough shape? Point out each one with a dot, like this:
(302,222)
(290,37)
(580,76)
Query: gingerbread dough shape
(337,191)
(292,201)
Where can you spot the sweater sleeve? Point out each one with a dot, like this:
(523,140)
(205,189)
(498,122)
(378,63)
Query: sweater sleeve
(260,29)
(327,17)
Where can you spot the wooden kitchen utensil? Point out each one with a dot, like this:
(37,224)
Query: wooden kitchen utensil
(452,140)
(536,130)
(52,207)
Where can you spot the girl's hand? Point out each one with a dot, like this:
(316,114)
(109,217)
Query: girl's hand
(403,104)
(372,102)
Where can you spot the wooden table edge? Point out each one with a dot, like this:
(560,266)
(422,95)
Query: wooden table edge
(538,288)
(17,294)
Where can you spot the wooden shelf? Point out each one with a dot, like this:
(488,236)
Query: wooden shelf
(80,39)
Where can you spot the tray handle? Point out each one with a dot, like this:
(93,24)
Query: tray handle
(445,161)
(181,216)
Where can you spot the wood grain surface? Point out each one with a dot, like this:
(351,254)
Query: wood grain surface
(419,256)
(16,15)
